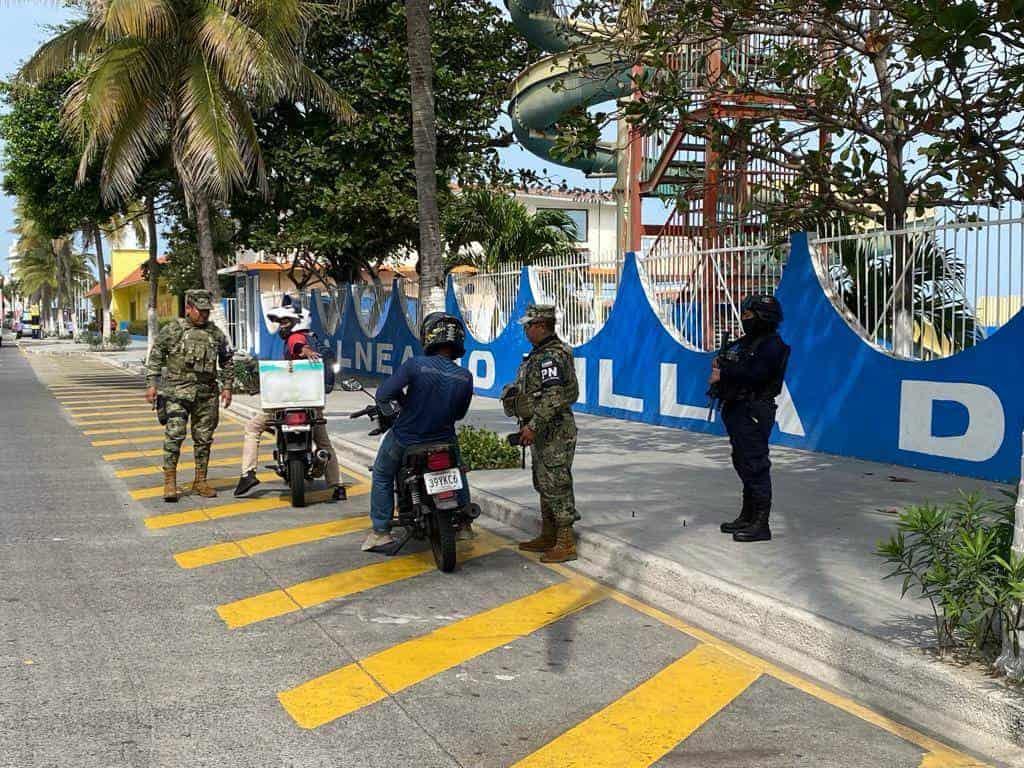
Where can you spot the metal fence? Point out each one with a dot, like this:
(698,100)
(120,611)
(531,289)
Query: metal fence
(932,289)
(697,286)
(582,292)
(231,318)
(487,300)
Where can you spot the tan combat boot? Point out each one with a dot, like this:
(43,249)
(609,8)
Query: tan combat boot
(545,541)
(170,485)
(200,486)
(564,549)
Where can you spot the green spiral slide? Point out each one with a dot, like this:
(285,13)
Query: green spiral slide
(579,73)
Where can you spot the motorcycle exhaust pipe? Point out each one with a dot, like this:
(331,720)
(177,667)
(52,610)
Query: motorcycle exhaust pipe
(322,456)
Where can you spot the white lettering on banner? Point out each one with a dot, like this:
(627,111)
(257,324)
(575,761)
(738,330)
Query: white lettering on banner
(581,378)
(787,418)
(344,362)
(669,405)
(481,359)
(364,355)
(409,352)
(986,421)
(384,351)
(606,391)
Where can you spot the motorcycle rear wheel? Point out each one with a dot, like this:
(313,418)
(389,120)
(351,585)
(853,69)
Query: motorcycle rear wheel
(297,480)
(442,540)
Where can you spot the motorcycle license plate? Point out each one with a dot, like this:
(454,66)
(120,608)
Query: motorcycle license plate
(446,480)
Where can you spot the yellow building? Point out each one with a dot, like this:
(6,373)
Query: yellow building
(129,290)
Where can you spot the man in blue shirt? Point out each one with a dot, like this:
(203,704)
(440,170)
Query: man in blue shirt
(434,393)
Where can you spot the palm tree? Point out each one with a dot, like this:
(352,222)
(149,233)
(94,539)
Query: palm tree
(49,268)
(486,229)
(178,78)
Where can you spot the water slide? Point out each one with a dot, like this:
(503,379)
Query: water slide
(561,82)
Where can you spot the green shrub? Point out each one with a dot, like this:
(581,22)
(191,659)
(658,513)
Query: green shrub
(484,449)
(138,328)
(958,557)
(247,374)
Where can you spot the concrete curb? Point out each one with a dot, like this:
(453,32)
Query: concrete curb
(958,704)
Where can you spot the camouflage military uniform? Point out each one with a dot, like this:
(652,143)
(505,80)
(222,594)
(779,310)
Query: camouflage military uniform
(547,383)
(191,387)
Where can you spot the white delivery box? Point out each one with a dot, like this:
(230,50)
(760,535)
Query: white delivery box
(291,384)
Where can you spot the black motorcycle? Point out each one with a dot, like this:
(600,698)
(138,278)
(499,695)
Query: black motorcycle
(295,458)
(427,487)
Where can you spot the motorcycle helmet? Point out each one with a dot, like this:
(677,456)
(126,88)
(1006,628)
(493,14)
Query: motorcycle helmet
(440,329)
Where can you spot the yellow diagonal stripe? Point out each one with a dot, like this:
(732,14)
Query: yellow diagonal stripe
(156,491)
(225,461)
(149,453)
(153,430)
(267,542)
(232,509)
(647,723)
(118,411)
(355,686)
(307,594)
(130,420)
(157,438)
(92,402)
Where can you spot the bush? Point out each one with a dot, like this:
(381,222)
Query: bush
(138,328)
(484,449)
(119,340)
(247,374)
(958,556)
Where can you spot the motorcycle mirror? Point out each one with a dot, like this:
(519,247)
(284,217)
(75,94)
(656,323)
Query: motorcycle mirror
(336,367)
(351,385)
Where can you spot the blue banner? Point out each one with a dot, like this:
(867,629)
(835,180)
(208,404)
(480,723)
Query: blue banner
(961,414)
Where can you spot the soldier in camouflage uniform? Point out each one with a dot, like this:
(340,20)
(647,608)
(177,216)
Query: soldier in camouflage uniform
(191,349)
(542,399)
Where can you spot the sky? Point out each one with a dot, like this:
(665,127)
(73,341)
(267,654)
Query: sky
(24,28)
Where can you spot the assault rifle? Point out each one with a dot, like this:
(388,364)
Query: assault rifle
(713,390)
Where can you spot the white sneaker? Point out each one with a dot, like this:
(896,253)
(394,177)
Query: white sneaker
(375,540)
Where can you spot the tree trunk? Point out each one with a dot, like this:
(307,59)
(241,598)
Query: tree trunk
(1010,662)
(152,319)
(424,138)
(58,259)
(207,257)
(97,237)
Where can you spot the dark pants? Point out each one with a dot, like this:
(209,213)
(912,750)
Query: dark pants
(749,424)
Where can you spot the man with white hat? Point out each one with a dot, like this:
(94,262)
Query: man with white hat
(293,327)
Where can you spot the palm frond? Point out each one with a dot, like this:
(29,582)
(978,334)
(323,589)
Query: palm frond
(243,56)
(63,52)
(131,148)
(206,138)
(139,19)
(307,86)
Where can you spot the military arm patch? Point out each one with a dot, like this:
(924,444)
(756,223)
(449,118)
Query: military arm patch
(550,375)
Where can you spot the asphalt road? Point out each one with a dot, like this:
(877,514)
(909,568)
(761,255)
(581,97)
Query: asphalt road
(246,633)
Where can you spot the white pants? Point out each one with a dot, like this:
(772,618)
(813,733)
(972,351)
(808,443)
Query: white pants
(254,431)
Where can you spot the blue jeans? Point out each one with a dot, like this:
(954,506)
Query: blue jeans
(385,470)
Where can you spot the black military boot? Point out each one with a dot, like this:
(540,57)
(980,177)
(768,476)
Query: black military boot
(746,518)
(758,529)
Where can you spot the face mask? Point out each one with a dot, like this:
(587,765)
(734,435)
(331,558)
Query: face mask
(754,326)
(284,331)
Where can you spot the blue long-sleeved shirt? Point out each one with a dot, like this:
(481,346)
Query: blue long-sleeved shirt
(434,393)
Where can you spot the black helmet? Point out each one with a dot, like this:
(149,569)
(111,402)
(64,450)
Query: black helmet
(441,329)
(764,306)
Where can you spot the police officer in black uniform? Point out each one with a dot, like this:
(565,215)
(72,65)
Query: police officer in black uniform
(747,377)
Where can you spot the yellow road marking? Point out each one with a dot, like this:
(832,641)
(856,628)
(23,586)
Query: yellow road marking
(158,437)
(938,753)
(233,509)
(123,455)
(120,411)
(647,723)
(154,430)
(307,594)
(129,420)
(92,402)
(156,491)
(267,542)
(357,685)
(155,470)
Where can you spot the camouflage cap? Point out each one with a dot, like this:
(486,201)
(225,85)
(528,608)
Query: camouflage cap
(538,313)
(199,298)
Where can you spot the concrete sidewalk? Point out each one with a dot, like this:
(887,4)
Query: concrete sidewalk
(813,598)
